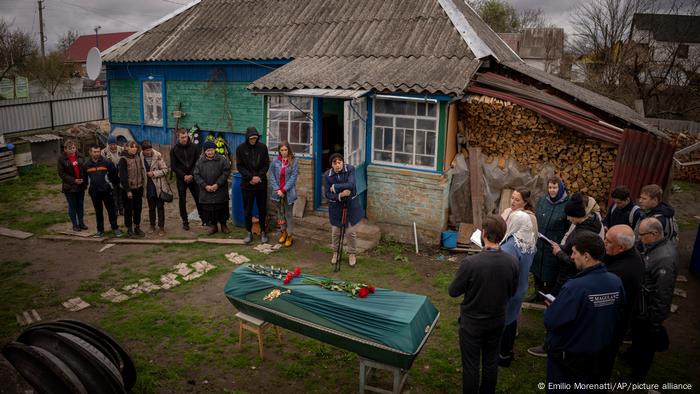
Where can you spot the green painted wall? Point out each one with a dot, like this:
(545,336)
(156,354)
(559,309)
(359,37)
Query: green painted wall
(216,106)
(125,101)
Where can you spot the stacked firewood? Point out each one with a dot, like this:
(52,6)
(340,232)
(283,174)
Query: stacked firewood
(506,131)
(686,173)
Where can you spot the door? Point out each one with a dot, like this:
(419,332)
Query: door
(355,113)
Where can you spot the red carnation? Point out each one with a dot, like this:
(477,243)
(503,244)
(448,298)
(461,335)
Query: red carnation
(297,271)
(363,292)
(286,280)
(371,289)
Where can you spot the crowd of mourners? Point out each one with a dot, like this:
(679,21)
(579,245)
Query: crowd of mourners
(603,281)
(120,176)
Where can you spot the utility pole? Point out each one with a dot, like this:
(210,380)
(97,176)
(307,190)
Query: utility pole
(97,40)
(42,38)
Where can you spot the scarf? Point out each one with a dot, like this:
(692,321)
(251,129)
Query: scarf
(561,194)
(521,228)
(285,163)
(73,159)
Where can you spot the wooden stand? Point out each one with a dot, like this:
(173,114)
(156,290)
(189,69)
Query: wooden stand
(367,368)
(255,326)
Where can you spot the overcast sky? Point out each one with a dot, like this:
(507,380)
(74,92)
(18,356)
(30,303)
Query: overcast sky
(134,15)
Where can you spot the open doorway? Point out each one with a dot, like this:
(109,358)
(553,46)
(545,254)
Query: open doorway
(331,137)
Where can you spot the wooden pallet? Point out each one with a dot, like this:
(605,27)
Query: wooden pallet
(8,169)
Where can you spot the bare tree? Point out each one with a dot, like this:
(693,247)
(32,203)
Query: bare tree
(67,39)
(51,72)
(532,18)
(16,47)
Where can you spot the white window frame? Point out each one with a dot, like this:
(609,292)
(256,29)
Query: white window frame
(290,109)
(150,99)
(393,151)
(355,121)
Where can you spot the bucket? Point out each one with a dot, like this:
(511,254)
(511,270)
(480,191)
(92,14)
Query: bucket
(237,211)
(23,156)
(449,239)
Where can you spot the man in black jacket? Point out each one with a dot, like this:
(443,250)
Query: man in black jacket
(487,280)
(183,158)
(253,161)
(660,270)
(101,176)
(622,259)
(623,210)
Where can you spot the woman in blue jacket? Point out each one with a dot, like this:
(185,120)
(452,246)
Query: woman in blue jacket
(283,179)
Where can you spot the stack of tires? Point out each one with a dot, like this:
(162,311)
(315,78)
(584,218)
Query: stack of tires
(70,356)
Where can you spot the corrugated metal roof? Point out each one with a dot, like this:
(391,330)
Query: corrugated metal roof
(588,97)
(642,159)
(427,74)
(273,29)
(41,138)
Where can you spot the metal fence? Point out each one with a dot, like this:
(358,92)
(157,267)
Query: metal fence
(52,111)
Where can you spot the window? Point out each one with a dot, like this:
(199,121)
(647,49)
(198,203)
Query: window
(152,103)
(290,119)
(405,133)
(355,118)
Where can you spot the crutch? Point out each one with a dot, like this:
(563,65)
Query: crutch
(343,222)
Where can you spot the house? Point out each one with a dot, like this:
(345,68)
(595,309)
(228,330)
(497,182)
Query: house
(77,52)
(541,48)
(378,80)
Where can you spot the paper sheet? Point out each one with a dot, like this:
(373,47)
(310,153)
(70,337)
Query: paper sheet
(476,238)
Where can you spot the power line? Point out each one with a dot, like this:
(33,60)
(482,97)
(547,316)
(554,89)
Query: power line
(102,15)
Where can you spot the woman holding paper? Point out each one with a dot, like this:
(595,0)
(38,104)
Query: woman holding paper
(520,241)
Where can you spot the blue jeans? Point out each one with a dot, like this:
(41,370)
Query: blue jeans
(75,206)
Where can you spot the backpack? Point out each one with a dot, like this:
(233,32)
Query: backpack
(670,229)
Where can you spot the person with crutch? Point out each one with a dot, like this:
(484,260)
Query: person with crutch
(344,210)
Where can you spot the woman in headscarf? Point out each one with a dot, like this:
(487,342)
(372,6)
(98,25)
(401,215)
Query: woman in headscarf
(552,223)
(520,241)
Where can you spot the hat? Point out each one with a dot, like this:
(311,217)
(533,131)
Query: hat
(575,207)
(251,131)
(209,144)
(111,139)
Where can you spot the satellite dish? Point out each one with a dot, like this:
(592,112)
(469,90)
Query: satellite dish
(94,63)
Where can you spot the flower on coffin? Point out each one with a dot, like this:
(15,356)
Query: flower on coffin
(297,271)
(352,289)
(288,278)
(276,273)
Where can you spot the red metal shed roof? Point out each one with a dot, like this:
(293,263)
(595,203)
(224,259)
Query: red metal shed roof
(78,51)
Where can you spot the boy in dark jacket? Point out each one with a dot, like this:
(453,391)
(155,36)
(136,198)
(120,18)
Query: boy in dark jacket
(488,280)
(253,161)
(623,210)
(183,158)
(70,171)
(650,201)
(101,177)
(581,321)
(211,174)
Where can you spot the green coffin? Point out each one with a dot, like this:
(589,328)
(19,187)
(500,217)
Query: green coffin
(388,326)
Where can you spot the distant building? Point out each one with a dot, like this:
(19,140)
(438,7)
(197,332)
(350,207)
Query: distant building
(541,48)
(78,51)
(668,40)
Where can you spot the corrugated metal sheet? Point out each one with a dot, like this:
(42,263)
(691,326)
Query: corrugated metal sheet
(52,111)
(403,74)
(589,97)
(642,159)
(41,138)
(273,29)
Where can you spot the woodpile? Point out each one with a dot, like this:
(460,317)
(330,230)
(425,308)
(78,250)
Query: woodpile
(505,131)
(686,173)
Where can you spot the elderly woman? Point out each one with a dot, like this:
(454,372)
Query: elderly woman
(70,170)
(283,179)
(211,175)
(520,241)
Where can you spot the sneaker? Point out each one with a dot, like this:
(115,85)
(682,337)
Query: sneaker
(186,226)
(248,238)
(138,232)
(537,351)
(129,232)
(99,234)
(118,233)
(76,228)
(83,226)
(224,228)
(263,237)
(334,260)
(352,260)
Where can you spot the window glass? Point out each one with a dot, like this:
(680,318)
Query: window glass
(152,103)
(290,119)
